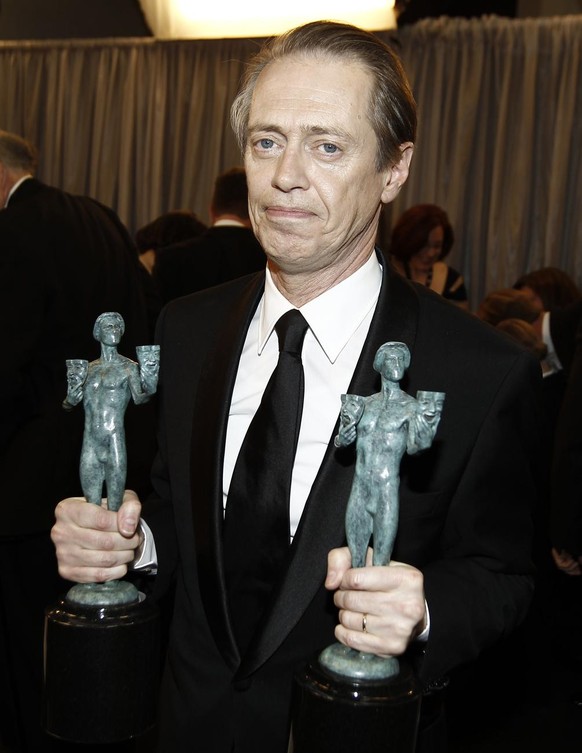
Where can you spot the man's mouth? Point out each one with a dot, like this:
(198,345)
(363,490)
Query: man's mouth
(288,213)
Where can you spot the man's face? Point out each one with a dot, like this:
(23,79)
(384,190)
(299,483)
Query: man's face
(314,191)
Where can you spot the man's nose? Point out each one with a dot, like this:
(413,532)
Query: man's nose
(291,170)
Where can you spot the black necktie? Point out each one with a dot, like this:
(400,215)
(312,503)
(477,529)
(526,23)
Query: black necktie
(256,526)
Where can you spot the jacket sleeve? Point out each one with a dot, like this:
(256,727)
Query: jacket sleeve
(480,586)
(566,479)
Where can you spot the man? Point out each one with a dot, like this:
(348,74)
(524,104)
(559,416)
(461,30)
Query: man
(63,261)
(560,331)
(327,123)
(566,476)
(226,250)
(168,229)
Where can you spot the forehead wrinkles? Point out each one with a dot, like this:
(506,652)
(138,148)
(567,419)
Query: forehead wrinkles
(329,88)
(308,114)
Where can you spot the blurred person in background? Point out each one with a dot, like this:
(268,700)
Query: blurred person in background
(171,227)
(508,303)
(226,250)
(549,287)
(421,239)
(64,260)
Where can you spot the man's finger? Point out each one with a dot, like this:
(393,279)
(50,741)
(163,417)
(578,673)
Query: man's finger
(338,562)
(128,514)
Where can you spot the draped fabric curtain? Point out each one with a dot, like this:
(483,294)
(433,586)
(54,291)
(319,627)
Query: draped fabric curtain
(499,143)
(142,125)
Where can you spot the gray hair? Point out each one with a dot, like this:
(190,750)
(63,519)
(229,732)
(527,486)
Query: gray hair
(16,153)
(391,110)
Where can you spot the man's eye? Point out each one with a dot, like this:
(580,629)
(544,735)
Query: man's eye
(266,143)
(330,148)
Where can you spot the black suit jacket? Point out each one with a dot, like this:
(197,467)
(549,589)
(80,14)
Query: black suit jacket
(564,324)
(566,474)
(220,254)
(465,509)
(63,261)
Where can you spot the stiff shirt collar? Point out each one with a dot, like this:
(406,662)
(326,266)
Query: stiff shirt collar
(227,223)
(333,316)
(16,186)
(552,362)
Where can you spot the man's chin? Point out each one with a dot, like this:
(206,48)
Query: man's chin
(287,250)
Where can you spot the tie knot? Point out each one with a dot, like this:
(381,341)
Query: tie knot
(291,329)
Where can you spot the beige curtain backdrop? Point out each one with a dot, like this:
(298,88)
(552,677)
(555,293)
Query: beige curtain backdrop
(500,142)
(142,125)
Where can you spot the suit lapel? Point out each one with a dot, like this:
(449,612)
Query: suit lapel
(208,438)
(322,526)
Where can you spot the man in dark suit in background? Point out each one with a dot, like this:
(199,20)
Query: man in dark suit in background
(566,513)
(326,121)
(63,261)
(566,505)
(228,249)
(560,332)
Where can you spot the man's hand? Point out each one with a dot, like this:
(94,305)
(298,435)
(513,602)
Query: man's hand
(391,598)
(95,544)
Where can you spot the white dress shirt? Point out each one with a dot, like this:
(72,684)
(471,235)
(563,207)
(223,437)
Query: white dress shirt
(338,320)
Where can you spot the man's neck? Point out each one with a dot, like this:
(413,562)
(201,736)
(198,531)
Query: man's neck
(300,288)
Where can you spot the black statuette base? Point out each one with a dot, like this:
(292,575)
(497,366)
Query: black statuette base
(101,671)
(333,713)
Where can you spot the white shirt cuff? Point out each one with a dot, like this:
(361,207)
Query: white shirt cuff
(552,357)
(146,557)
(424,635)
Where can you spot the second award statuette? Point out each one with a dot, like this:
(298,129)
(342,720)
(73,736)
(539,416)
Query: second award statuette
(348,699)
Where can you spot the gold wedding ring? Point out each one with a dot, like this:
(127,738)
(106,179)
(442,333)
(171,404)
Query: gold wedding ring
(365,623)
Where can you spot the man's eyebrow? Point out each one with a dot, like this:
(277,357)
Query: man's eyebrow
(306,130)
(261,127)
(332,131)
(254,127)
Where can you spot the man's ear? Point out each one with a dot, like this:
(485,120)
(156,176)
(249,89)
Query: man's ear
(398,173)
